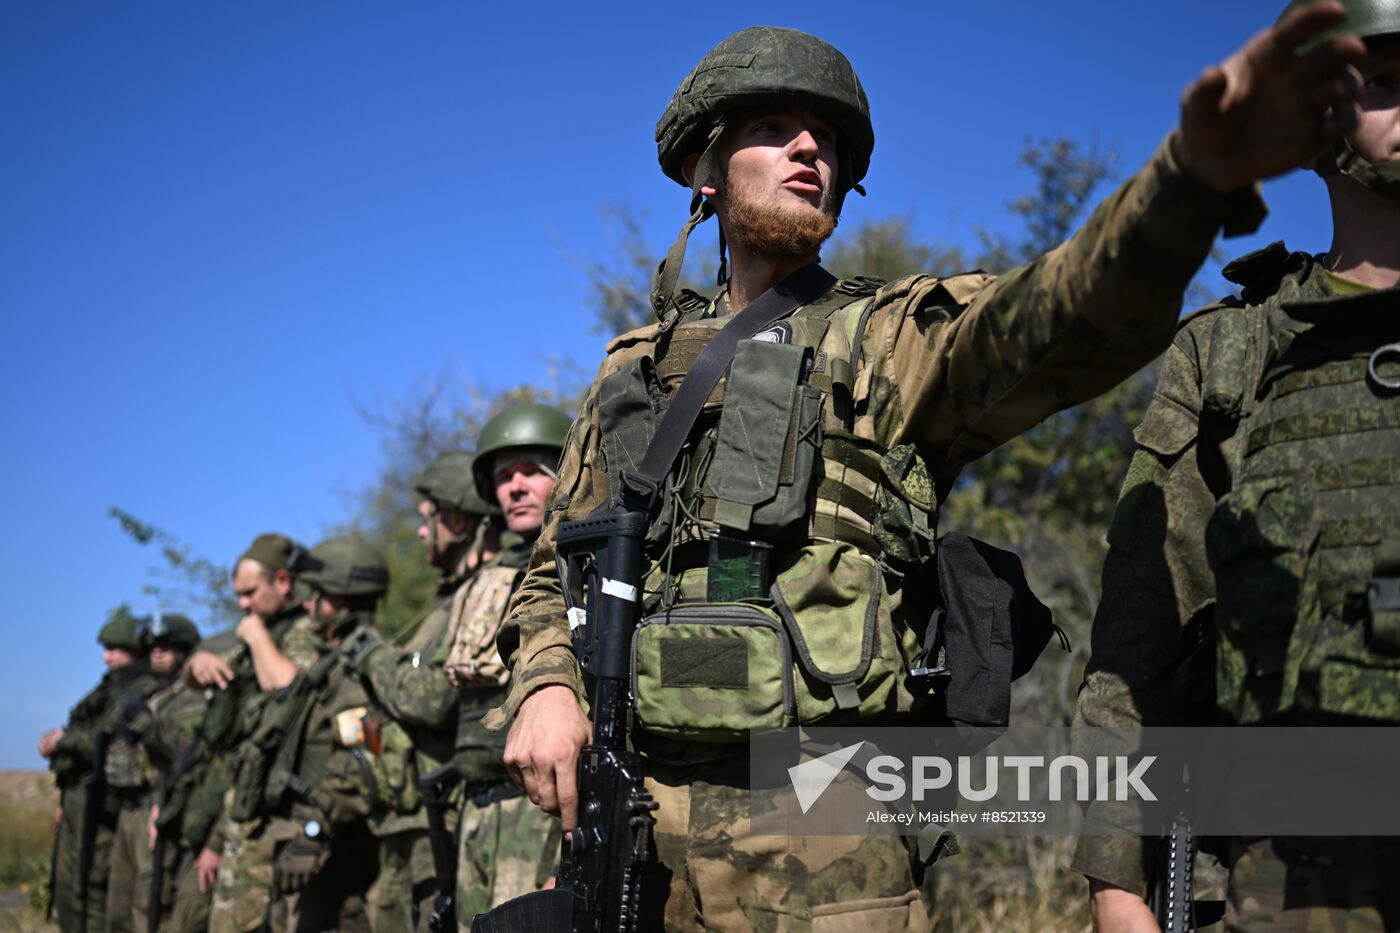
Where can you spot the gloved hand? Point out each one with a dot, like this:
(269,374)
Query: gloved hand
(299,861)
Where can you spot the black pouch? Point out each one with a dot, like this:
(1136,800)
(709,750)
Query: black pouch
(992,629)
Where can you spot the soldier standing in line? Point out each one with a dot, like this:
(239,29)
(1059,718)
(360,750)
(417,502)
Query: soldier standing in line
(460,533)
(508,847)
(273,641)
(167,734)
(1268,469)
(867,402)
(315,784)
(135,759)
(77,755)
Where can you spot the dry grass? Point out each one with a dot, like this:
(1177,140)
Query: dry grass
(1010,886)
(27,801)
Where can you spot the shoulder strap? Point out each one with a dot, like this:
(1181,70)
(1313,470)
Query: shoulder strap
(798,289)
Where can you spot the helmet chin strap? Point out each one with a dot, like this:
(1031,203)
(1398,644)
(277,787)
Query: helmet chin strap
(1382,178)
(668,273)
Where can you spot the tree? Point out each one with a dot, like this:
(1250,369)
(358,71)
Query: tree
(183,580)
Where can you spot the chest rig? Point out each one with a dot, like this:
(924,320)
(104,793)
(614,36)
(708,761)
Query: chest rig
(781,562)
(1306,544)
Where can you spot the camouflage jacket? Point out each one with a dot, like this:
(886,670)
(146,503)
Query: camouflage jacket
(1154,654)
(94,716)
(954,366)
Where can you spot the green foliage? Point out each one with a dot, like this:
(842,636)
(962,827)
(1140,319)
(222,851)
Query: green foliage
(445,415)
(181,580)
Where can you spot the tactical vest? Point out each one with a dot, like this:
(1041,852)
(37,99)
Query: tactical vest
(785,583)
(1306,544)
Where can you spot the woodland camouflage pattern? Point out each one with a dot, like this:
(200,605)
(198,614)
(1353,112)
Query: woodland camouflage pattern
(1287,497)
(955,367)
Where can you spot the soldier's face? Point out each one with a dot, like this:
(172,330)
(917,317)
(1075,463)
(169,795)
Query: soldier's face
(777,192)
(260,590)
(523,489)
(164,659)
(437,530)
(1377,133)
(117,658)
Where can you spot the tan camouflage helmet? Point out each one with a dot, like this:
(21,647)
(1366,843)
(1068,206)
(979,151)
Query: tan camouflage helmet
(757,67)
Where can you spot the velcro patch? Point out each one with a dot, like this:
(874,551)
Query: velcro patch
(717,661)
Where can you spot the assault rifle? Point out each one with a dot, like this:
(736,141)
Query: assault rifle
(437,787)
(599,882)
(186,759)
(94,787)
(1169,895)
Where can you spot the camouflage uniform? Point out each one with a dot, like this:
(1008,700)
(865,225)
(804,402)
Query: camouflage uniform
(244,882)
(90,725)
(175,715)
(1257,470)
(507,846)
(408,685)
(130,784)
(951,367)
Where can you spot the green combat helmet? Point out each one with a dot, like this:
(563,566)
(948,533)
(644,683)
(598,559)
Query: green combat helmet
(1366,19)
(521,426)
(125,631)
(344,567)
(448,482)
(757,67)
(172,630)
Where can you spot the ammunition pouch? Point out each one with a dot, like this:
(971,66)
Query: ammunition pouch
(396,770)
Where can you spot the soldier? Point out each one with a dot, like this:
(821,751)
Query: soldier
(1265,421)
(77,755)
(171,897)
(273,641)
(317,784)
(460,532)
(815,466)
(139,752)
(508,847)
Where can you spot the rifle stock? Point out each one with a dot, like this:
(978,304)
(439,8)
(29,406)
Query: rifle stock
(94,787)
(437,787)
(599,883)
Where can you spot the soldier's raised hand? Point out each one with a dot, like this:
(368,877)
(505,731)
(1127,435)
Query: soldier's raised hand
(1266,109)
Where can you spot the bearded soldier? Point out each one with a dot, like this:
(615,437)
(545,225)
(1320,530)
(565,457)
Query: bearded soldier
(139,755)
(508,846)
(796,521)
(1266,471)
(78,756)
(460,532)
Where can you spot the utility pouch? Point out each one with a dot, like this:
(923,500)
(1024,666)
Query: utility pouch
(1383,601)
(396,769)
(768,439)
(992,628)
(825,654)
(710,673)
(1259,543)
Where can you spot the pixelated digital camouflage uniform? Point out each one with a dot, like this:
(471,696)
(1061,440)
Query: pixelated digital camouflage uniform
(72,761)
(244,883)
(506,845)
(921,372)
(1255,513)
(409,685)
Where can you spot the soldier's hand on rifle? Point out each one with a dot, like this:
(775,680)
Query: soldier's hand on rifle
(1118,910)
(542,750)
(1266,109)
(206,669)
(207,867)
(48,742)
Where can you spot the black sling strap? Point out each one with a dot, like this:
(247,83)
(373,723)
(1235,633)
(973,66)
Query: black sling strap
(802,287)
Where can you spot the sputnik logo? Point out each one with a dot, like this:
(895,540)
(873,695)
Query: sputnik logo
(811,778)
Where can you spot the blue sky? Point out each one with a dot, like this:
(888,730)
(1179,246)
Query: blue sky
(224,224)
